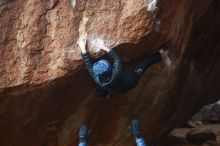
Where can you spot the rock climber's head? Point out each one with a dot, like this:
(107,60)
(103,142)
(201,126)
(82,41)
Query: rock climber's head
(103,69)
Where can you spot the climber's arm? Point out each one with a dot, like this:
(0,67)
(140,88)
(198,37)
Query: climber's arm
(87,59)
(118,62)
(85,55)
(88,63)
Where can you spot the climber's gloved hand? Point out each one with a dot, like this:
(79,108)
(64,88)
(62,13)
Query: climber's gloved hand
(166,45)
(135,128)
(84,133)
(104,47)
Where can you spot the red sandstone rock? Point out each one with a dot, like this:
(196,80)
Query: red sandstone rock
(45,95)
(208,114)
(200,136)
(211,143)
(179,135)
(38,41)
(204,135)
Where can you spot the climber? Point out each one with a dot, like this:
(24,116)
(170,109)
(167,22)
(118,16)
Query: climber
(135,129)
(110,78)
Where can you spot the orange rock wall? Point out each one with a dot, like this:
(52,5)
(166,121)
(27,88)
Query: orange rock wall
(45,94)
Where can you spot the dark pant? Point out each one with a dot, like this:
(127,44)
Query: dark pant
(101,92)
(129,80)
(147,62)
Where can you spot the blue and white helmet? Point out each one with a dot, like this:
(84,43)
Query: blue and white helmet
(102,68)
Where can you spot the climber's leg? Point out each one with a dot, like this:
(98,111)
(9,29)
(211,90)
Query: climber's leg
(100,92)
(130,80)
(152,59)
(147,62)
(83,135)
(136,131)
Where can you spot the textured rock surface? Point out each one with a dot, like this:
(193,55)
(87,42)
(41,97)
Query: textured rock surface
(38,38)
(45,95)
(200,136)
(208,114)
(179,135)
(201,133)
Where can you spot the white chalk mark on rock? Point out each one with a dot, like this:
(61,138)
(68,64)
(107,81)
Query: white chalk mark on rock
(168,61)
(218,102)
(96,44)
(157,25)
(73,3)
(82,27)
(151,5)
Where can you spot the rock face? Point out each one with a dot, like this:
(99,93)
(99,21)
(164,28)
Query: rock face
(45,95)
(202,131)
(201,135)
(39,37)
(208,114)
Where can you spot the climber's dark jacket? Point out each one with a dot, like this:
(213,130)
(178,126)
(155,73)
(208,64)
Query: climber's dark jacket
(119,82)
(114,83)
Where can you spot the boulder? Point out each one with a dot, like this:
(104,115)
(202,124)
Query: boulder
(200,136)
(178,135)
(46,94)
(208,114)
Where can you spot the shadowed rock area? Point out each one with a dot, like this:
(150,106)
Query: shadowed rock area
(203,129)
(46,94)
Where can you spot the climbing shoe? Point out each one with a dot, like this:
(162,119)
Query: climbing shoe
(135,128)
(84,133)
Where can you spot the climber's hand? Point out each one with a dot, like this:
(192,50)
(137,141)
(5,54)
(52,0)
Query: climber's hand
(82,43)
(166,46)
(84,133)
(163,52)
(104,47)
